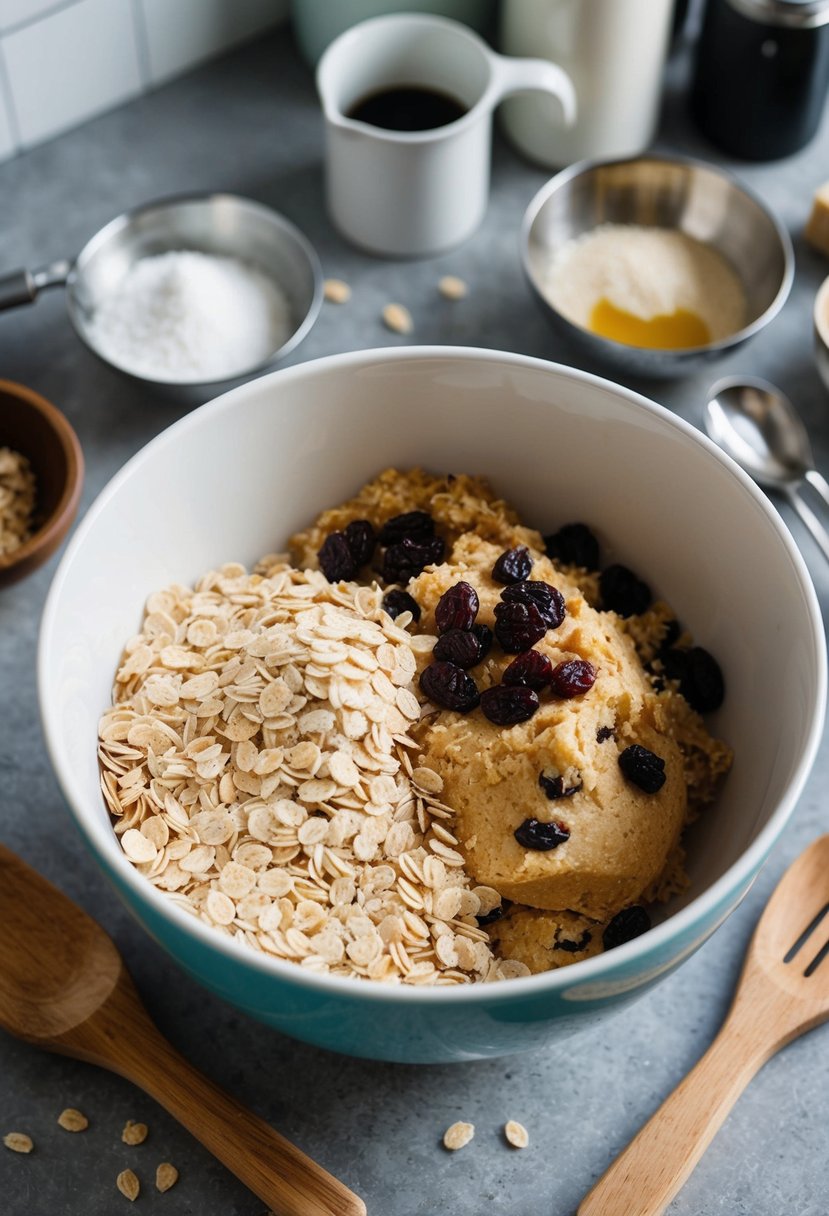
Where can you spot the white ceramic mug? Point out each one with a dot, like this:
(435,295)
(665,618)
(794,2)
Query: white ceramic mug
(413,193)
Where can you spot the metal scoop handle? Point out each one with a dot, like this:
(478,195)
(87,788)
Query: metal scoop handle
(24,286)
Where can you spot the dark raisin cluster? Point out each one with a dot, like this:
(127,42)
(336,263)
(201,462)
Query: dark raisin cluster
(526,610)
(408,542)
(696,672)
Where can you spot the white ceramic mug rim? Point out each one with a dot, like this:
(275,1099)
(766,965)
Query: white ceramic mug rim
(486,102)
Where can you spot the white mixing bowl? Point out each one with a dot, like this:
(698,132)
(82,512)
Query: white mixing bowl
(232,480)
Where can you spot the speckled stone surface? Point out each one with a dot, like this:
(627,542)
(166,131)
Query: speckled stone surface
(250,123)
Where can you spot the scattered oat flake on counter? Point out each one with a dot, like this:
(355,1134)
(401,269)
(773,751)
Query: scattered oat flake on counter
(134,1133)
(336,291)
(165,1176)
(18,1142)
(72,1120)
(128,1185)
(398,318)
(452,288)
(516,1134)
(458,1135)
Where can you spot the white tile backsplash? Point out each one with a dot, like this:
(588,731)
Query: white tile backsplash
(71,65)
(181,33)
(20,12)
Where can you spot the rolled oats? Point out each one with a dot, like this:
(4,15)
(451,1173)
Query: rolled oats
(166,1175)
(458,1135)
(452,288)
(18,1142)
(336,291)
(134,1133)
(128,1185)
(398,318)
(72,1120)
(17,500)
(255,762)
(516,1134)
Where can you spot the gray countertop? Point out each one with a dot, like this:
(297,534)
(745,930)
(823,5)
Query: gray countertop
(249,123)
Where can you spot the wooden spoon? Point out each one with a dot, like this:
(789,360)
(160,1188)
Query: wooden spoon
(64,987)
(783,992)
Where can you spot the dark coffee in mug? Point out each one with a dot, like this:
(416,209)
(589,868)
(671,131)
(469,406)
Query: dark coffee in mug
(407,108)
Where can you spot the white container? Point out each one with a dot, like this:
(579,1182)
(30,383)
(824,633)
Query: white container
(413,193)
(613,50)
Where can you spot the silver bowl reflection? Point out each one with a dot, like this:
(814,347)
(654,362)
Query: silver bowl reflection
(664,192)
(223,224)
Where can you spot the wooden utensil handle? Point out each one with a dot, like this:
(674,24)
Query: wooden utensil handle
(126,1041)
(647,1174)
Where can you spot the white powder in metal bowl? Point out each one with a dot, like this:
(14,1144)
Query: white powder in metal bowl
(189,317)
(648,272)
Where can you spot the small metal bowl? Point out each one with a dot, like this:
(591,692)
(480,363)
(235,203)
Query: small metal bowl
(223,224)
(662,192)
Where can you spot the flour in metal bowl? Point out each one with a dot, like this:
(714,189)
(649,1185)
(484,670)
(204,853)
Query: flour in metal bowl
(185,316)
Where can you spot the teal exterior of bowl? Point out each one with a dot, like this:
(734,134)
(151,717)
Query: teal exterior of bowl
(429,1026)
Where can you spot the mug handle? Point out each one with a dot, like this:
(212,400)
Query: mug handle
(511,74)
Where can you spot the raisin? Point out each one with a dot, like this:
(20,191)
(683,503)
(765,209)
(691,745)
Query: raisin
(675,664)
(458,646)
(336,559)
(605,732)
(457,608)
(573,545)
(362,540)
(571,947)
(407,559)
(513,566)
(548,601)
(629,923)
(554,787)
(643,767)
(699,675)
(395,602)
(489,918)
(518,626)
(623,592)
(506,704)
(450,686)
(670,635)
(530,668)
(484,635)
(573,678)
(541,836)
(412,525)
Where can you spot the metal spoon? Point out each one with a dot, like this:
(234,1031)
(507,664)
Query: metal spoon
(757,425)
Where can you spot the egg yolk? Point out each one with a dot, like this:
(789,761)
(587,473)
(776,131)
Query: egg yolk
(666,331)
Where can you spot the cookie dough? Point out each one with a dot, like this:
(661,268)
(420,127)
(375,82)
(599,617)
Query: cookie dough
(619,835)
(624,844)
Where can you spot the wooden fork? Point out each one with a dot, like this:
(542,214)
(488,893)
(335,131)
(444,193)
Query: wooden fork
(783,992)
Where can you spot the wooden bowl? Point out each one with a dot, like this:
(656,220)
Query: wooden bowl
(30,425)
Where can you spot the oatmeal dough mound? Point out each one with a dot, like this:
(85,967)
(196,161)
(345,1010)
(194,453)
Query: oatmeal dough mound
(620,836)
